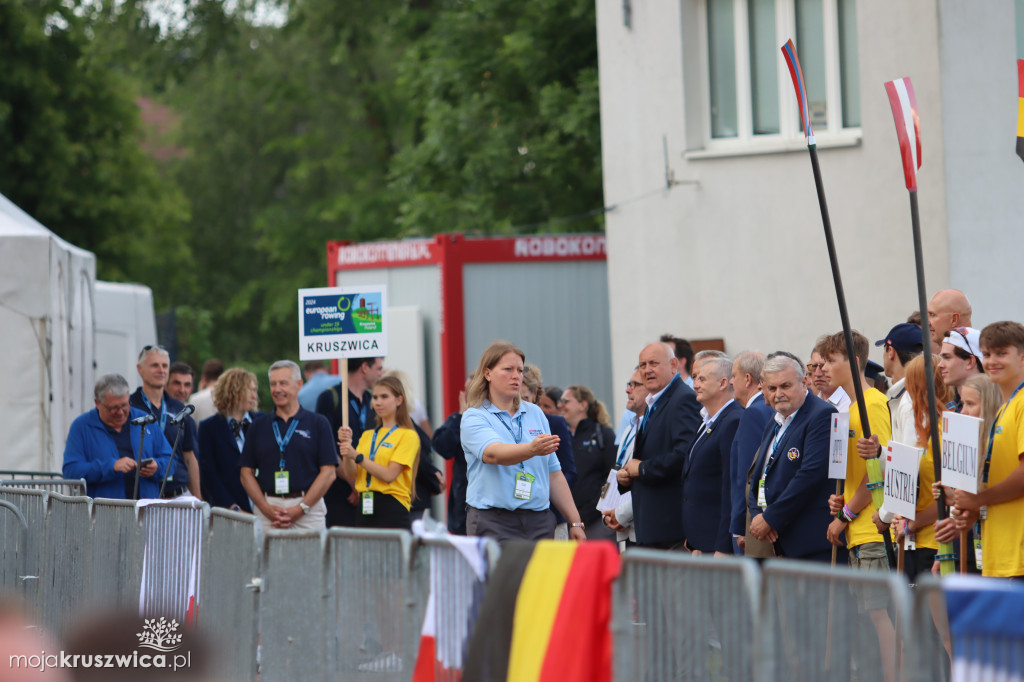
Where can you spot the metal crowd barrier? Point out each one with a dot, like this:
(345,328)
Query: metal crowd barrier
(819,622)
(33,505)
(172,557)
(677,616)
(14,531)
(12,473)
(927,656)
(116,557)
(293,604)
(65,486)
(229,585)
(374,612)
(440,566)
(64,582)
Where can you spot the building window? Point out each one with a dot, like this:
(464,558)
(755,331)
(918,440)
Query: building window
(748,88)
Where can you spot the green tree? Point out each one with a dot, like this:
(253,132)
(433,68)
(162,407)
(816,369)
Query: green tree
(70,131)
(509,135)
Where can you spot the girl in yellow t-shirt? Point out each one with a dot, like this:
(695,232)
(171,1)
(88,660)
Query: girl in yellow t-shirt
(384,463)
(921,529)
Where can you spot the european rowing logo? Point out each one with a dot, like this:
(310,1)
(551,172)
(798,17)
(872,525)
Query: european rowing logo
(344,303)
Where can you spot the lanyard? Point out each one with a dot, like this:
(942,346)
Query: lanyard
(374,445)
(992,432)
(630,435)
(771,453)
(518,421)
(163,409)
(282,443)
(360,408)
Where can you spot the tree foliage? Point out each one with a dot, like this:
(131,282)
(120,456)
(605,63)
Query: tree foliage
(346,120)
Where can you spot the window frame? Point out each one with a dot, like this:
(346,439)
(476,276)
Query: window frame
(790,137)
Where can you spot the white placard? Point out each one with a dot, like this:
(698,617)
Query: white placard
(839,443)
(343,322)
(961,439)
(902,463)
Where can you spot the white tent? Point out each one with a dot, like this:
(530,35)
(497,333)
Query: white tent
(46,338)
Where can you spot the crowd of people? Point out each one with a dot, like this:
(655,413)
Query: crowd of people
(713,455)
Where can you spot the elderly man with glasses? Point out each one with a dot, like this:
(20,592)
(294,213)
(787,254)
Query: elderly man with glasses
(103,446)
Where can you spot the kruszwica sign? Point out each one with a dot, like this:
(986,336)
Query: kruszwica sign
(342,322)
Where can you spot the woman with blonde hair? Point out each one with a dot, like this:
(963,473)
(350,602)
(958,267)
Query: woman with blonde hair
(514,475)
(222,436)
(384,463)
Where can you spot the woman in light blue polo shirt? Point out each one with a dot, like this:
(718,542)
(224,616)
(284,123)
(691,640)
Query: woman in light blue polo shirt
(514,476)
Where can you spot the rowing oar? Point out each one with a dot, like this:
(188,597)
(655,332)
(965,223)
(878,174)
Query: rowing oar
(908,131)
(873,466)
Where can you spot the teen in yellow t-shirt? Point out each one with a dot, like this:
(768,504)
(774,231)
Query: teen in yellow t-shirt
(383,466)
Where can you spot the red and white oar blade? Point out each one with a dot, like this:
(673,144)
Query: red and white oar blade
(797,74)
(908,127)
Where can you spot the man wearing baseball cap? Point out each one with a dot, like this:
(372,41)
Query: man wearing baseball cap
(901,345)
(959,360)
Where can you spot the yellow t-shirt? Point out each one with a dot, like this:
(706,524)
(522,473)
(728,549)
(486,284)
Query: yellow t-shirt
(402,446)
(925,536)
(862,529)
(1002,534)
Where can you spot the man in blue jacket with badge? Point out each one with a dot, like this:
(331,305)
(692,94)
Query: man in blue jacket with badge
(102,446)
(789,489)
(664,437)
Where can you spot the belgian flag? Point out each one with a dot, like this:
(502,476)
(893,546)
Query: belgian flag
(546,614)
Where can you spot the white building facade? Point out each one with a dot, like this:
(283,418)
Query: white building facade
(715,230)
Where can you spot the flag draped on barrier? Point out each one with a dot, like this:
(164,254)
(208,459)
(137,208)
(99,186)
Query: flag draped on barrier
(451,609)
(873,466)
(546,614)
(986,628)
(908,132)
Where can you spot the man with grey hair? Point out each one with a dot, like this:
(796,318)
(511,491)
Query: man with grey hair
(293,450)
(788,499)
(152,397)
(102,446)
(746,385)
(706,480)
(702,355)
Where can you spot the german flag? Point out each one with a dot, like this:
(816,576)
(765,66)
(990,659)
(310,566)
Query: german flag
(1020,108)
(545,616)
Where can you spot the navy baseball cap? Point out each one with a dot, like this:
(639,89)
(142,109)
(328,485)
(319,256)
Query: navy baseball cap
(905,336)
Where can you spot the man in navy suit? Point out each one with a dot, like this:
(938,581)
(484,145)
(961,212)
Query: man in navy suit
(746,386)
(706,481)
(790,488)
(663,440)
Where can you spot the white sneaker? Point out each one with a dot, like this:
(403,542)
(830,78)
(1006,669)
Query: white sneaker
(385,663)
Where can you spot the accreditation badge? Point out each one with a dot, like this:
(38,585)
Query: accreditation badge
(524,485)
(281,483)
(762,502)
(367,498)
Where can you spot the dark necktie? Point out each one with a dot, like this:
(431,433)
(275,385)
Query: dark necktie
(238,426)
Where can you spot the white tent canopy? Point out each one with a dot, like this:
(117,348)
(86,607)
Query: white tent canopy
(46,327)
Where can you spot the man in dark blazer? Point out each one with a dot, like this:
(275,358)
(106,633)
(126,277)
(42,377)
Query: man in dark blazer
(706,482)
(746,386)
(666,433)
(789,489)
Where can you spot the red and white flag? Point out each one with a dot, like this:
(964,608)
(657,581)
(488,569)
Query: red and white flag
(908,127)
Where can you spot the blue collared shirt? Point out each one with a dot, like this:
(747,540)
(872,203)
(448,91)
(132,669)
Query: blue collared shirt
(493,485)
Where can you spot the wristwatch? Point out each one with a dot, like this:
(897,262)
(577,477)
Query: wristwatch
(576,525)
(304,507)
(359,458)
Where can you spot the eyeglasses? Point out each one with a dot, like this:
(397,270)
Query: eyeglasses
(117,408)
(633,384)
(813,367)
